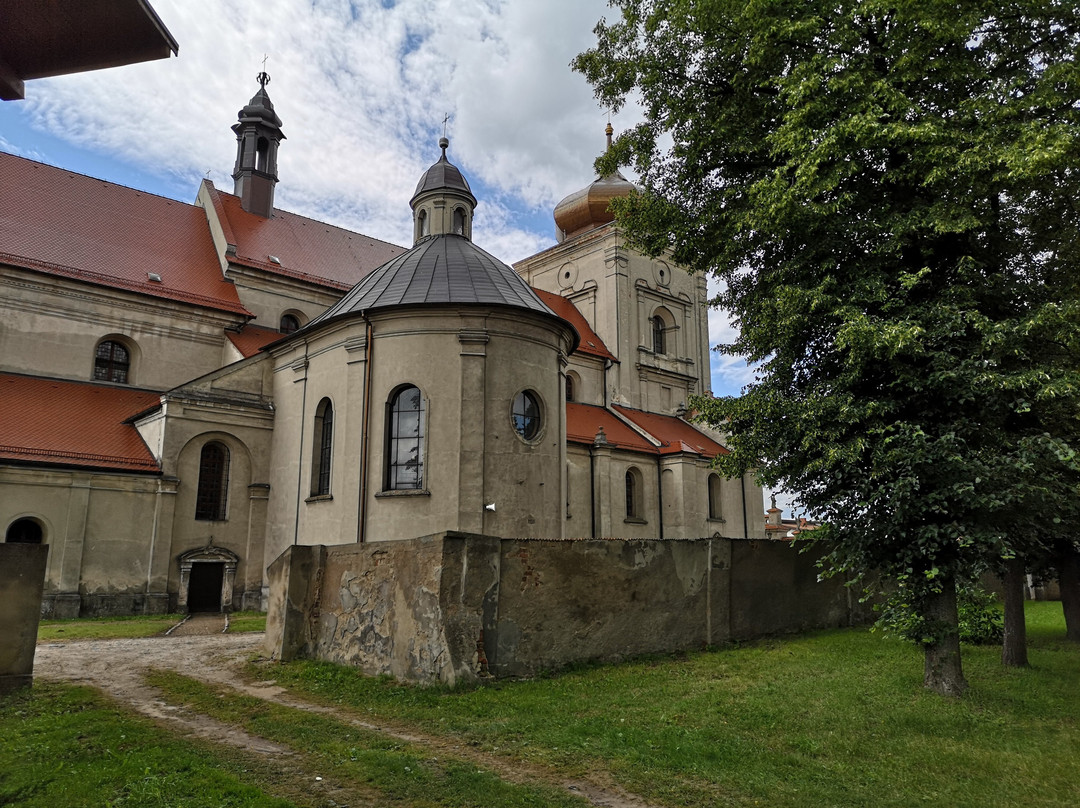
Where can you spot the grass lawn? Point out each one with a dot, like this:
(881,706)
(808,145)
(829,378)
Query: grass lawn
(118,628)
(837,718)
(67,747)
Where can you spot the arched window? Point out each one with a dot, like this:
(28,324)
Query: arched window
(633,494)
(570,387)
(716,509)
(262,152)
(323,442)
(112,362)
(24,531)
(459,221)
(405,440)
(658,334)
(289,323)
(423,226)
(525,415)
(212,495)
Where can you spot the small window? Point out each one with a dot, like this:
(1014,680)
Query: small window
(569,387)
(405,440)
(423,227)
(289,323)
(459,221)
(212,494)
(633,494)
(24,531)
(323,443)
(716,510)
(526,415)
(112,362)
(658,334)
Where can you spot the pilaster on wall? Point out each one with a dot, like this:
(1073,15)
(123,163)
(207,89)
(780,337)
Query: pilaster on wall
(161,555)
(251,585)
(473,426)
(66,566)
(602,494)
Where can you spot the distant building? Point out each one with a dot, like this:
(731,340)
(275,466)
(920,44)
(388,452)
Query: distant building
(187,390)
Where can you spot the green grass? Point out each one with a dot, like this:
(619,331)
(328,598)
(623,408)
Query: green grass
(65,746)
(247,621)
(397,772)
(838,718)
(118,628)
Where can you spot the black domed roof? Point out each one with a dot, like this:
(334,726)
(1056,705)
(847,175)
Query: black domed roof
(445,269)
(443,175)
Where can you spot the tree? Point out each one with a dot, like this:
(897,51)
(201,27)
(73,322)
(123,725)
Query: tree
(888,192)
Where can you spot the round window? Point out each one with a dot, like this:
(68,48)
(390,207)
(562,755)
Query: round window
(526,415)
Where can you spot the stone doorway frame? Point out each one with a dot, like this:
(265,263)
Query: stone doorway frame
(204,555)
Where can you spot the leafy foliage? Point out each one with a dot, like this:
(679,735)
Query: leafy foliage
(887,191)
(981,619)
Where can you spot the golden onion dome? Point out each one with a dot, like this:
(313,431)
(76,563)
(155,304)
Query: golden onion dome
(590,207)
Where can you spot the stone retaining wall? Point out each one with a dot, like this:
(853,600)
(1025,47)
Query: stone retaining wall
(453,607)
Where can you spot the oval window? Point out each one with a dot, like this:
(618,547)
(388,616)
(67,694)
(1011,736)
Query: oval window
(526,415)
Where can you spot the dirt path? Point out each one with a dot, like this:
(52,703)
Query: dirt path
(198,649)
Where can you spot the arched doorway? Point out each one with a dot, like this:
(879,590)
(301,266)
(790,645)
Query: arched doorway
(24,531)
(206,579)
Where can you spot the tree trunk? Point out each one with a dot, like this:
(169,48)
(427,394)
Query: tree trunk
(1069,583)
(942,672)
(1014,643)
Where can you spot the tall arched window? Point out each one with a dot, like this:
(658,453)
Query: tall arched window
(324,443)
(658,334)
(716,510)
(112,362)
(459,221)
(212,495)
(289,323)
(633,494)
(423,228)
(570,387)
(405,440)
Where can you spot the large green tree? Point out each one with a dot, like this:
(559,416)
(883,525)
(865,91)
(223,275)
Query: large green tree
(888,191)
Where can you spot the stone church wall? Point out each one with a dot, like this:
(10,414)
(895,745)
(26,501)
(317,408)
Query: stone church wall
(455,607)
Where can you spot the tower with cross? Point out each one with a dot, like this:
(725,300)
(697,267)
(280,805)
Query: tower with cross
(258,133)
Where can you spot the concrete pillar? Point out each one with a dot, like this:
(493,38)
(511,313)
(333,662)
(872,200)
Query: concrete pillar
(22,580)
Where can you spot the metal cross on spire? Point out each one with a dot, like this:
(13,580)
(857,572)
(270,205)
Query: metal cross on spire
(446,118)
(264,77)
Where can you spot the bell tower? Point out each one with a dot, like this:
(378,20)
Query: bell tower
(258,133)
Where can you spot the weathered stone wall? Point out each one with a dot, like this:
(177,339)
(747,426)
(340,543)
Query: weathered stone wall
(454,606)
(22,576)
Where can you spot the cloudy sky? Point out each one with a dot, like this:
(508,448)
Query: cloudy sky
(362,88)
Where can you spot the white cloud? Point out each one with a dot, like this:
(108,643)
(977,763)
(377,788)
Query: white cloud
(362,88)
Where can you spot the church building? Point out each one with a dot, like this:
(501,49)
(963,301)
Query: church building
(187,390)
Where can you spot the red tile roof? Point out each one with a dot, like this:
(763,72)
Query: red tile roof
(251,338)
(583,420)
(68,224)
(52,422)
(309,250)
(590,341)
(674,433)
